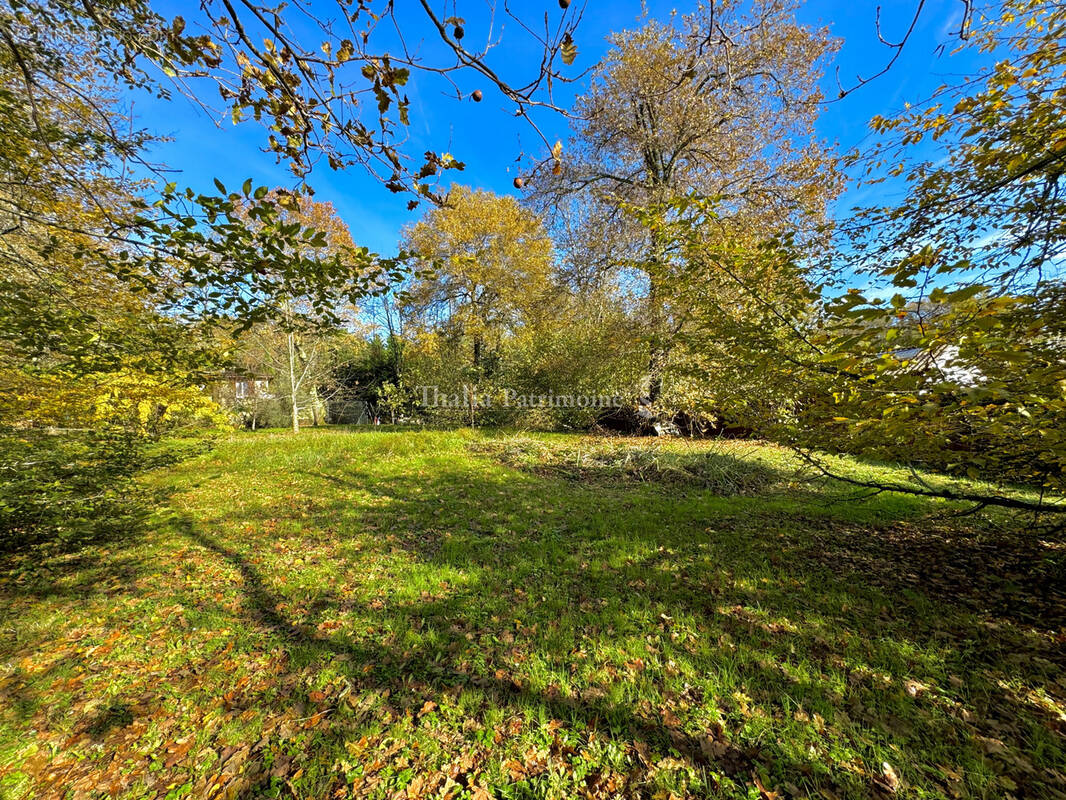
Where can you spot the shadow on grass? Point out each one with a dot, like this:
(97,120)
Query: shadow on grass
(811,615)
(61,494)
(412,678)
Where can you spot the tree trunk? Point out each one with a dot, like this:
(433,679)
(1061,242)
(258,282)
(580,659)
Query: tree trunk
(293,383)
(656,320)
(656,367)
(477,366)
(657,268)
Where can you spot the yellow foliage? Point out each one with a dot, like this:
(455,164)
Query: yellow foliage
(132,400)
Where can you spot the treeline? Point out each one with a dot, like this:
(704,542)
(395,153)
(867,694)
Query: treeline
(676,251)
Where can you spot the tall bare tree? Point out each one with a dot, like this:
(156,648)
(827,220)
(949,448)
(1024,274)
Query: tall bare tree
(721,103)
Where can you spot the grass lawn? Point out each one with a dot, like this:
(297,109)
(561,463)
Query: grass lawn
(473,615)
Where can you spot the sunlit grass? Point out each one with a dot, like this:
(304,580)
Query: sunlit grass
(465,614)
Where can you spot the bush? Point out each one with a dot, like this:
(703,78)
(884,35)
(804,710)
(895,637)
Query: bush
(622,461)
(134,402)
(63,487)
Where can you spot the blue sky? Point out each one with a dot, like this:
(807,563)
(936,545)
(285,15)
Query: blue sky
(489,139)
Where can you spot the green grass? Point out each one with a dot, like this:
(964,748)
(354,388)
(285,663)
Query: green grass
(469,615)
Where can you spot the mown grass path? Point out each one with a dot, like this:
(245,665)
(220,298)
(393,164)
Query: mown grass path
(388,615)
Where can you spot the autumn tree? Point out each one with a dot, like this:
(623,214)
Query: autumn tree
(89,366)
(81,343)
(330,91)
(720,103)
(750,307)
(955,358)
(483,267)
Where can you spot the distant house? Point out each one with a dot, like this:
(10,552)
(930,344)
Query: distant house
(938,362)
(240,387)
(943,361)
(250,397)
(255,400)
(246,388)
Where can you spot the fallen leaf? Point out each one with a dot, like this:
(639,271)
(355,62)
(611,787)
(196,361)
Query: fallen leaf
(427,707)
(889,780)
